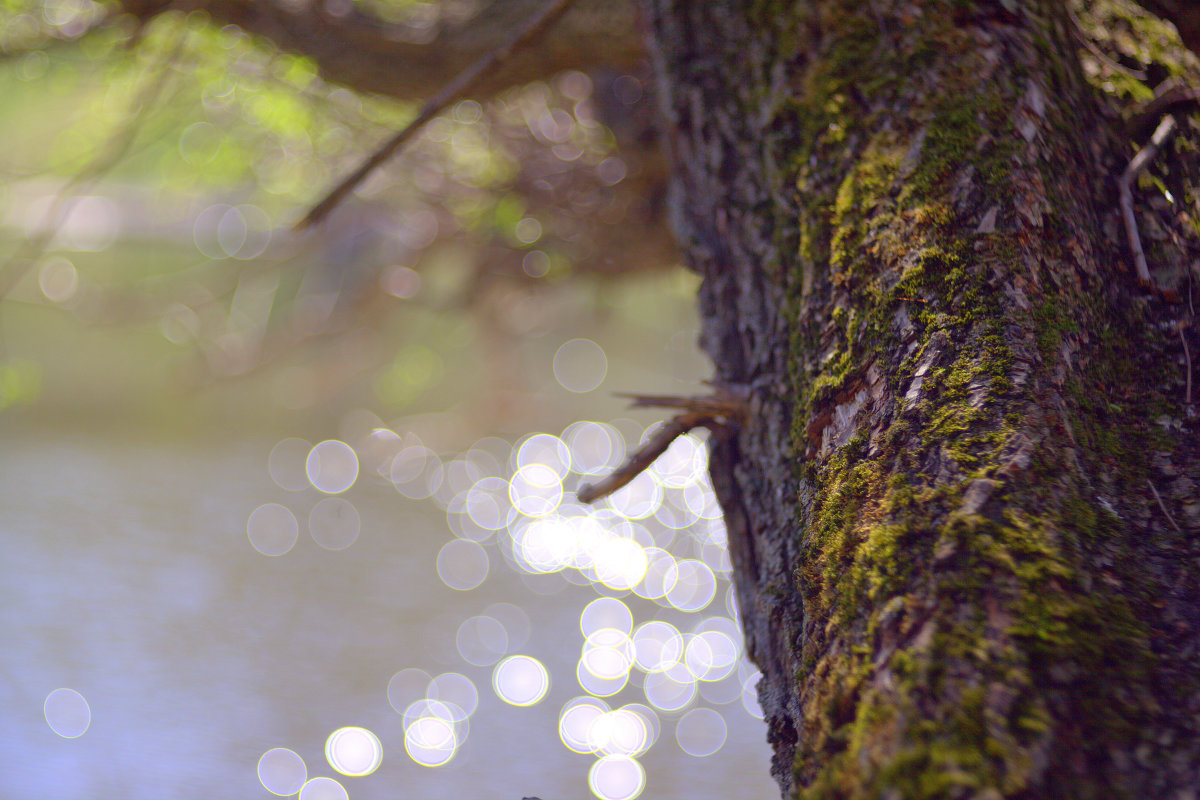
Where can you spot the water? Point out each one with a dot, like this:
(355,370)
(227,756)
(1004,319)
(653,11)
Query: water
(127,575)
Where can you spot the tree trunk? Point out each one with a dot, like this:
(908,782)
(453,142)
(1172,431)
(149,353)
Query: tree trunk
(961,511)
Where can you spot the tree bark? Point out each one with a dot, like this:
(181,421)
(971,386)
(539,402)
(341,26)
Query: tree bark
(961,512)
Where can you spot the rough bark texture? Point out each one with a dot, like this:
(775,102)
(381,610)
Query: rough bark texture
(952,566)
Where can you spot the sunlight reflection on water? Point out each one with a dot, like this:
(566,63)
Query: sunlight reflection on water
(209,664)
(660,540)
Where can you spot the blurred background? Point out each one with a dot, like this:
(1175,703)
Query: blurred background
(293,514)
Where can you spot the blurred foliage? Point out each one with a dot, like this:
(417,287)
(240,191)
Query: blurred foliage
(203,145)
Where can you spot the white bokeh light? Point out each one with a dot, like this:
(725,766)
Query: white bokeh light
(605,612)
(639,499)
(334,523)
(430,741)
(282,772)
(545,450)
(692,585)
(596,447)
(456,691)
(67,713)
(462,564)
(575,721)
(406,687)
(323,789)
(520,680)
(272,529)
(617,778)
(658,646)
(332,466)
(354,751)
(671,689)
(580,365)
(621,733)
(700,732)
(286,464)
(536,490)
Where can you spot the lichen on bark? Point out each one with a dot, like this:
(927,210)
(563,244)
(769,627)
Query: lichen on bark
(947,561)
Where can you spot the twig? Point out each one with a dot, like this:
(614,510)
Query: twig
(643,458)
(1100,54)
(711,412)
(462,83)
(1170,97)
(1187,358)
(1136,165)
(1163,506)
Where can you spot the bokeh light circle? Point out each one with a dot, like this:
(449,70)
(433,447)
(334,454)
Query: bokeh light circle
(58,280)
(670,690)
(595,684)
(323,789)
(67,713)
(620,733)
(605,612)
(658,646)
(617,778)
(282,772)
(430,741)
(575,721)
(406,687)
(332,466)
(520,680)
(692,585)
(286,464)
(700,732)
(595,447)
(462,564)
(272,529)
(481,640)
(455,690)
(334,523)
(354,751)
(536,490)
(580,365)
(545,450)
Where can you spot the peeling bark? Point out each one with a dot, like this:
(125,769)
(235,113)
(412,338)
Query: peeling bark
(949,566)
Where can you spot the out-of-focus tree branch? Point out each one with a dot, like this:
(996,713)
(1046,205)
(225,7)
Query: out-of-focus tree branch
(1183,14)
(368,54)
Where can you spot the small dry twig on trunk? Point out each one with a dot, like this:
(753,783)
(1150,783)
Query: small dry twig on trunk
(463,83)
(713,412)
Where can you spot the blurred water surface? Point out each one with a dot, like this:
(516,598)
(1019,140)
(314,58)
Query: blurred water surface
(130,575)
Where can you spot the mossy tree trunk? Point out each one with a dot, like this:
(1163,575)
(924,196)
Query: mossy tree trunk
(963,527)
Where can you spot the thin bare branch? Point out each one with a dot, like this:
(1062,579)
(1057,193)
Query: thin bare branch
(712,412)
(1136,165)
(452,91)
(1163,506)
(1187,359)
(645,455)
